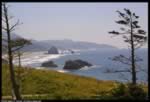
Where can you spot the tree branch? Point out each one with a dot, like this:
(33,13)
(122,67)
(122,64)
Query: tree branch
(4,28)
(122,59)
(16,24)
(123,76)
(116,71)
(3,20)
(5,40)
(17,48)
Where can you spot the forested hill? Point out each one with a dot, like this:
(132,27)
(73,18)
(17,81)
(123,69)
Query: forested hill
(61,44)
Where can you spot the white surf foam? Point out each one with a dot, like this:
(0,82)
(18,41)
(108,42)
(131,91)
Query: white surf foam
(36,57)
(62,71)
(87,68)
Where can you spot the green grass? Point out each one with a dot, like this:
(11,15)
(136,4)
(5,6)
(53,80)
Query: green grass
(55,85)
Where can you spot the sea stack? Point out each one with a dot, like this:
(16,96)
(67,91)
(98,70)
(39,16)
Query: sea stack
(49,64)
(53,50)
(76,64)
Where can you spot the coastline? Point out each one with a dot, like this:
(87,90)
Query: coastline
(37,58)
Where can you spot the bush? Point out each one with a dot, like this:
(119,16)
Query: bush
(136,91)
(119,91)
(128,91)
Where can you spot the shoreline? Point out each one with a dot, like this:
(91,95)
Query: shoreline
(37,59)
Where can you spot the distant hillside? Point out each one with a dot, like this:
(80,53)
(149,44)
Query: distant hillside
(4,37)
(65,44)
(62,44)
(35,47)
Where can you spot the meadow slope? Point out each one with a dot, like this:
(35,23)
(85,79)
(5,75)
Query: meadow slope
(50,84)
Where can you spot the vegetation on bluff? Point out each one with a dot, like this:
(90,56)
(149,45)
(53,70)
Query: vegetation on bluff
(49,84)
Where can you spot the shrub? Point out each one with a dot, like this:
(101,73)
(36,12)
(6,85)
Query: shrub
(120,92)
(136,91)
(128,91)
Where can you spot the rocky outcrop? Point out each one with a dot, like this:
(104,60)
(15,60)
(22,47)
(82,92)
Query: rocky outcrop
(72,52)
(76,64)
(53,50)
(48,64)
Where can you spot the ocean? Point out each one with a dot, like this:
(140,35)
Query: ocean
(98,58)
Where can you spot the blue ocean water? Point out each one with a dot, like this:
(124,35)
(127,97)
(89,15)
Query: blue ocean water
(101,62)
(98,58)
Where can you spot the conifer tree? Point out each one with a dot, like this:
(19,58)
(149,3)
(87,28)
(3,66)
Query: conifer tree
(133,35)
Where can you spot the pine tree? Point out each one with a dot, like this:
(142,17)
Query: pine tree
(133,35)
(8,28)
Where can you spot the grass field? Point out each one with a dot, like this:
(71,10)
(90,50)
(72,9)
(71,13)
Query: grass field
(49,84)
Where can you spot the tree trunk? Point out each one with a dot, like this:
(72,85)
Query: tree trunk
(19,70)
(133,56)
(19,58)
(12,74)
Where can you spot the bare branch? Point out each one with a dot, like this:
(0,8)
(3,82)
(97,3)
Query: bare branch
(3,20)
(18,48)
(123,76)
(122,59)
(122,71)
(11,17)
(139,45)
(4,28)
(3,39)
(16,24)
(116,71)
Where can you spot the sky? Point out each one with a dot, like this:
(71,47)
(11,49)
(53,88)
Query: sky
(77,21)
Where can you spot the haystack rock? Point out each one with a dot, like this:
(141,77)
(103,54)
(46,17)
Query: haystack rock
(53,50)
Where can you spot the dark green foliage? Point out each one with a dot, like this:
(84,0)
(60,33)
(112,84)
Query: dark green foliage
(129,91)
(136,91)
(133,36)
(19,43)
(119,91)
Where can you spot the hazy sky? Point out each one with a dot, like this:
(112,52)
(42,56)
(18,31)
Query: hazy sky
(77,21)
